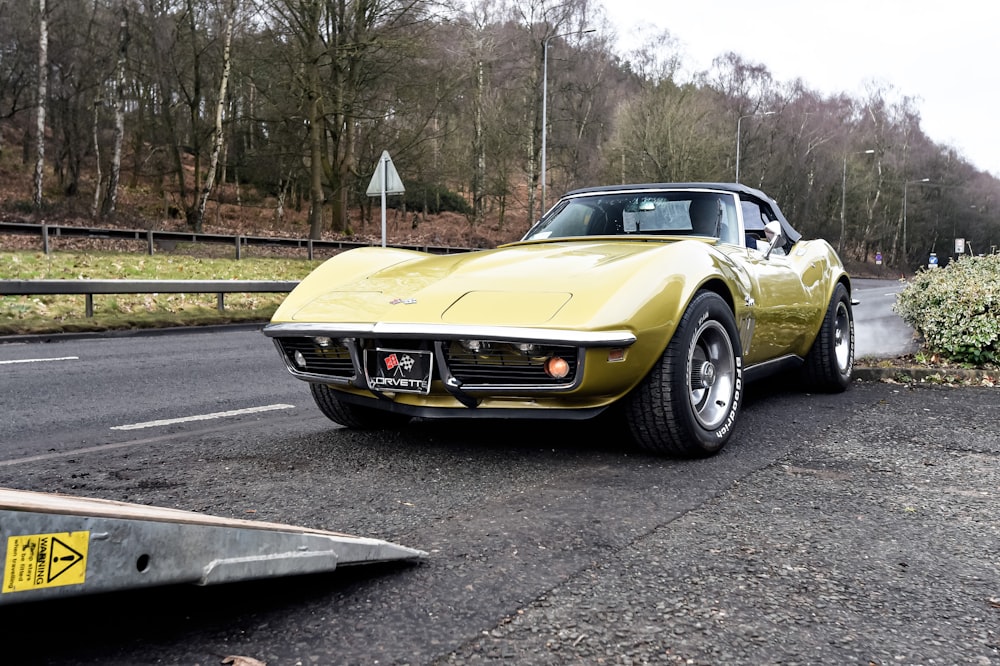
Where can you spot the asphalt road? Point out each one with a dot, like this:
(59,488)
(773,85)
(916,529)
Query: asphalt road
(880,332)
(81,391)
(78,392)
(855,528)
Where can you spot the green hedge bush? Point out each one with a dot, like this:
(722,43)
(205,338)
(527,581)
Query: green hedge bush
(956,309)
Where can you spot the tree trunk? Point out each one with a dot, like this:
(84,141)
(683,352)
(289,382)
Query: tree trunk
(111,197)
(194,102)
(161,108)
(316,195)
(479,147)
(218,134)
(43,66)
(95,206)
(343,175)
(534,142)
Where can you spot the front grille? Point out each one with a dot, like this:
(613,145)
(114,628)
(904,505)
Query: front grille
(331,361)
(496,364)
(504,364)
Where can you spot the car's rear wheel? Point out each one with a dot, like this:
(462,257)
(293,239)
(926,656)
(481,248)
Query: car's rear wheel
(357,417)
(689,402)
(830,362)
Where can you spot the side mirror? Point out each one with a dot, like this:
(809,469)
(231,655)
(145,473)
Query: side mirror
(775,237)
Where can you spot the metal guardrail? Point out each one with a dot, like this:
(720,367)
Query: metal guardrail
(91,287)
(48,231)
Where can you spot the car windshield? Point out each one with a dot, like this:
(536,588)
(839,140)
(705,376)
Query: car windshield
(674,213)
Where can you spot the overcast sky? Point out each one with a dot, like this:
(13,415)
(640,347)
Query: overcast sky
(943,54)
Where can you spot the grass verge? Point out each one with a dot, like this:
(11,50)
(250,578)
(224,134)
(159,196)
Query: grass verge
(21,315)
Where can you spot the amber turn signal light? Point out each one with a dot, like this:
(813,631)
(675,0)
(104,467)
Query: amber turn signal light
(556,367)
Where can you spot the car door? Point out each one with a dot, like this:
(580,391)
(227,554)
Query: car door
(783,305)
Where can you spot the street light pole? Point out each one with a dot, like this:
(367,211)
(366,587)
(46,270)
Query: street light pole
(843,201)
(545,97)
(738,122)
(905,185)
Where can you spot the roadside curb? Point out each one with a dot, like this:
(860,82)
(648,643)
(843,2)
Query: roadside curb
(927,375)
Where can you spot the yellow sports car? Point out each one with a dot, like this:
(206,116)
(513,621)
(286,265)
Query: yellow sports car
(656,303)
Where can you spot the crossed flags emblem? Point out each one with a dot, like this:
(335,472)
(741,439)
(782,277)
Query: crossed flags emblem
(405,362)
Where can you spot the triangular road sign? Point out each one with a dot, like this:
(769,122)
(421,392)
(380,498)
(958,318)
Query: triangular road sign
(385,179)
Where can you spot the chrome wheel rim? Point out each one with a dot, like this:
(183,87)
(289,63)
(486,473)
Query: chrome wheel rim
(711,375)
(842,337)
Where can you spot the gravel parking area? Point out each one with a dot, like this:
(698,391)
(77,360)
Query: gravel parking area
(849,529)
(877,544)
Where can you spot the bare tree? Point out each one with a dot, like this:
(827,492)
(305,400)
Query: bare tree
(16,70)
(302,98)
(671,133)
(478,144)
(43,67)
(584,101)
(218,131)
(482,48)
(111,197)
(96,137)
(549,23)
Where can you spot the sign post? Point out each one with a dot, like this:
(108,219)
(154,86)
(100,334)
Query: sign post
(385,181)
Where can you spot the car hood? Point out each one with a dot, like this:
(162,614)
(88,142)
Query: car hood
(528,284)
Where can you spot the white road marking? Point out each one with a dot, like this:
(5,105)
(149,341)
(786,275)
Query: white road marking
(188,435)
(41,360)
(202,417)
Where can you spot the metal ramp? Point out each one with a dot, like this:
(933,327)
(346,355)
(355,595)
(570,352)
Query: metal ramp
(54,546)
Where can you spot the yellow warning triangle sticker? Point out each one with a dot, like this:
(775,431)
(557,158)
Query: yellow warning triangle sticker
(36,561)
(61,558)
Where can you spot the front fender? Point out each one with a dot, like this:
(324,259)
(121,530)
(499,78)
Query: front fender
(651,302)
(340,271)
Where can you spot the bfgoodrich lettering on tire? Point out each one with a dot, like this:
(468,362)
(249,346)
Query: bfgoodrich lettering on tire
(688,404)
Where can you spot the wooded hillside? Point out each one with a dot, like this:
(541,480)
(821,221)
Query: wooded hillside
(276,111)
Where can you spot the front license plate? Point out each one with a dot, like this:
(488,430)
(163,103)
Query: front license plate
(399,370)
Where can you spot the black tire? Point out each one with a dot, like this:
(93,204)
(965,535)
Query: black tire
(356,417)
(830,361)
(688,404)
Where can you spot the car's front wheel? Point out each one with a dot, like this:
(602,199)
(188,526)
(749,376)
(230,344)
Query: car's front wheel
(357,417)
(689,402)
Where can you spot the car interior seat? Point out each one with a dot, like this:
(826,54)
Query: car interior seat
(706,216)
(606,223)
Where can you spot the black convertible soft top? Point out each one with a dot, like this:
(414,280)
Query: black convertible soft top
(742,190)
